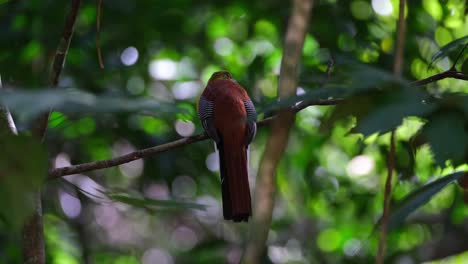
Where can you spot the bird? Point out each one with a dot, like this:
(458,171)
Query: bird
(228,116)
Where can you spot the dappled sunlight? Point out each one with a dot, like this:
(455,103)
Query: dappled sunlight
(184,129)
(382,7)
(106,216)
(183,238)
(132,169)
(186,90)
(352,247)
(184,187)
(157,255)
(325,195)
(129,56)
(223,46)
(212,161)
(164,69)
(360,166)
(291,252)
(71,205)
(157,191)
(213,212)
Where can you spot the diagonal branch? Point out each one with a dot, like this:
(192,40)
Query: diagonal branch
(451,73)
(148,152)
(6,120)
(59,61)
(397,70)
(143,153)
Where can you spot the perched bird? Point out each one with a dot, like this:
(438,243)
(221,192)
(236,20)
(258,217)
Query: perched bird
(228,117)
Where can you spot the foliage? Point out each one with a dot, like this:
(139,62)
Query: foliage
(20,177)
(146,203)
(443,52)
(158,56)
(419,197)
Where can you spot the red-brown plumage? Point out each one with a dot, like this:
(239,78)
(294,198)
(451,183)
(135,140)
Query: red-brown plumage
(230,121)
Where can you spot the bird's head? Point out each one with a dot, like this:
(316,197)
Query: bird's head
(220,75)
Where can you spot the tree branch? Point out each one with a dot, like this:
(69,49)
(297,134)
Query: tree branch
(451,73)
(6,120)
(58,63)
(386,203)
(400,47)
(277,141)
(148,152)
(33,231)
(98,34)
(397,70)
(144,153)
(101,164)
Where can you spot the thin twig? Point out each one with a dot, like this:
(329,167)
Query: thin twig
(64,44)
(387,196)
(6,118)
(397,70)
(98,34)
(329,69)
(58,63)
(330,64)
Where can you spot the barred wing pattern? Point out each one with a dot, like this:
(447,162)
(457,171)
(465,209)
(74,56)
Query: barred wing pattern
(251,121)
(205,113)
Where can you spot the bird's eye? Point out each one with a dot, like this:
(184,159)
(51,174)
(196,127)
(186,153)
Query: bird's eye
(227,75)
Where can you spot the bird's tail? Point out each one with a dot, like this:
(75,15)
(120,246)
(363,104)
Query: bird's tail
(235,182)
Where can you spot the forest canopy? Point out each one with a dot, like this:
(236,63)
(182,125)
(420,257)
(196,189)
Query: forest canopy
(122,171)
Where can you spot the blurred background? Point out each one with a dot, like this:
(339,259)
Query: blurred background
(329,181)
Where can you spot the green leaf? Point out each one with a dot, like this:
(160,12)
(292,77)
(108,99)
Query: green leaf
(23,168)
(444,51)
(27,104)
(352,79)
(382,110)
(189,112)
(152,204)
(56,119)
(447,136)
(389,113)
(418,198)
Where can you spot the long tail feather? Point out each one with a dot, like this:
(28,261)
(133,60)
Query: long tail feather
(235,182)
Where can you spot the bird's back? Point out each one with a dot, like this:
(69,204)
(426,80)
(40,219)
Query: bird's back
(228,98)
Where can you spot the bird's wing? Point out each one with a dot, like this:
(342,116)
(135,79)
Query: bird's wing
(205,113)
(251,121)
